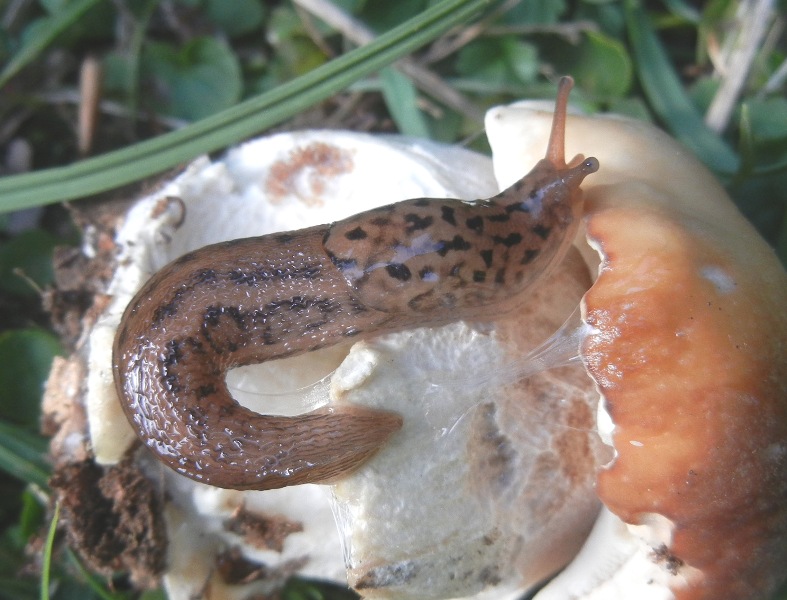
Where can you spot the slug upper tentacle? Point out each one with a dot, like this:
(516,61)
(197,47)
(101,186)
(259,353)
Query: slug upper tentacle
(415,263)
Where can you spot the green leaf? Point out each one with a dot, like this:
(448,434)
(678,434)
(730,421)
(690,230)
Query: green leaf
(46,30)
(195,81)
(385,15)
(668,98)
(295,52)
(31,515)
(303,589)
(684,10)
(401,98)
(256,114)
(28,255)
(17,589)
(236,17)
(483,60)
(25,358)
(768,118)
(781,249)
(535,12)
(605,69)
(498,61)
(22,455)
(599,63)
(522,59)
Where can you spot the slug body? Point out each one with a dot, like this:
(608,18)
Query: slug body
(415,263)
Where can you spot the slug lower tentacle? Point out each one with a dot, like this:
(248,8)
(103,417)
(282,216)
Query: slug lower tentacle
(415,263)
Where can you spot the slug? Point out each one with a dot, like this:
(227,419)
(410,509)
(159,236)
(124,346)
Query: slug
(420,262)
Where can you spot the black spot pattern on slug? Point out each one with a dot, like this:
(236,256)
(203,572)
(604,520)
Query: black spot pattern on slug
(417,223)
(211,316)
(499,218)
(172,356)
(487,256)
(448,214)
(260,275)
(343,264)
(458,244)
(240,277)
(512,239)
(173,353)
(206,390)
(479,276)
(205,276)
(476,224)
(284,238)
(381,221)
(542,231)
(529,256)
(399,271)
(426,272)
(517,207)
(165,311)
(356,234)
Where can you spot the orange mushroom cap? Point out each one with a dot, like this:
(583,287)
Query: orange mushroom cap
(688,353)
(690,357)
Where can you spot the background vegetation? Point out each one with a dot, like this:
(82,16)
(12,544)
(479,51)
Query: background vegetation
(175,78)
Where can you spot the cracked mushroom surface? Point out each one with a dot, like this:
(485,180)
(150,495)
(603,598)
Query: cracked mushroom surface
(688,353)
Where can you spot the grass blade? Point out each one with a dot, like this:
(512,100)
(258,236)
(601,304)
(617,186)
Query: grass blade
(22,455)
(254,115)
(668,98)
(46,565)
(401,98)
(44,36)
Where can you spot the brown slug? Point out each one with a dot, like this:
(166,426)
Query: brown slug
(420,262)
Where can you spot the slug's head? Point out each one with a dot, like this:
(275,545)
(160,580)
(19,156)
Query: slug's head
(551,190)
(569,174)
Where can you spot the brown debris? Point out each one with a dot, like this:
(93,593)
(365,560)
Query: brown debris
(63,414)
(268,532)
(113,519)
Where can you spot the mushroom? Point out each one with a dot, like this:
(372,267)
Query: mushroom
(688,352)
(683,339)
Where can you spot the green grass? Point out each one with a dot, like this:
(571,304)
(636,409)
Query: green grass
(233,70)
